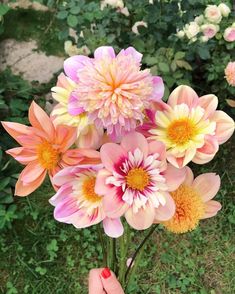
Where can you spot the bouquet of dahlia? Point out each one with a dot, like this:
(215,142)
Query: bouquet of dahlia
(116,154)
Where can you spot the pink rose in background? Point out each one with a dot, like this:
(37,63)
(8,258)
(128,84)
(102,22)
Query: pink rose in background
(209,30)
(229,34)
(230,73)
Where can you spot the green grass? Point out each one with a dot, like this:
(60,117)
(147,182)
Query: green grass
(43,27)
(40,255)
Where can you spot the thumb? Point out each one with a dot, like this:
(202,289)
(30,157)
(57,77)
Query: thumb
(110,282)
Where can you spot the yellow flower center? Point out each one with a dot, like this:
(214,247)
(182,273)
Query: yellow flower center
(88,190)
(189,210)
(137,178)
(48,156)
(181,131)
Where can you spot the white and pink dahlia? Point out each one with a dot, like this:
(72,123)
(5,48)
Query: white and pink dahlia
(77,203)
(136,181)
(112,88)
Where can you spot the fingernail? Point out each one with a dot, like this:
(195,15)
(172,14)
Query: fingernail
(106,273)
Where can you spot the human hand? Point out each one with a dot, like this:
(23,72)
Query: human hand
(103,281)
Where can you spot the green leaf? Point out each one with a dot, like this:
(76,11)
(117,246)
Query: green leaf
(72,20)
(62,14)
(4,182)
(204,53)
(179,55)
(183,64)
(164,67)
(75,10)
(4,9)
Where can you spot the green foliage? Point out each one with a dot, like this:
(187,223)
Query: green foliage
(3,11)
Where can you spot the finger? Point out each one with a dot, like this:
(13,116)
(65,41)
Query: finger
(110,282)
(95,283)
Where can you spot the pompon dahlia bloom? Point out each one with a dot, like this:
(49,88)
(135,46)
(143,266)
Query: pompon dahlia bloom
(193,202)
(136,181)
(112,89)
(44,149)
(88,136)
(230,73)
(76,201)
(189,126)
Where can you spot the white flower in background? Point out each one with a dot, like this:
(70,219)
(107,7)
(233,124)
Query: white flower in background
(150,1)
(224,9)
(213,13)
(138,24)
(180,34)
(191,29)
(124,11)
(72,50)
(209,30)
(229,34)
(204,39)
(199,19)
(113,3)
(194,39)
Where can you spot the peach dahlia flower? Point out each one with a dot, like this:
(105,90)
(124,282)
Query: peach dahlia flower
(193,201)
(189,126)
(77,203)
(112,89)
(44,149)
(136,181)
(230,73)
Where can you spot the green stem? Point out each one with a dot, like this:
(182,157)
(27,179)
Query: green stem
(142,244)
(124,241)
(102,241)
(111,253)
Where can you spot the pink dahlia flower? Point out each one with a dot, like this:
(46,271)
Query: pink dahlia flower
(189,126)
(112,88)
(77,203)
(136,181)
(230,73)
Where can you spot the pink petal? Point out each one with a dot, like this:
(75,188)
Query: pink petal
(183,94)
(75,63)
(166,212)
(207,185)
(93,138)
(65,209)
(209,103)
(104,52)
(189,177)
(113,204)
(207,152)
(158,89)
(73,105)
(61,194)
(135,140)
(113,227)
(24,189)
(100,187)
(157,147)
(40,120)
(212,208)
(224,126)
(174,177)
(111,154)
(131,51)
(142,219)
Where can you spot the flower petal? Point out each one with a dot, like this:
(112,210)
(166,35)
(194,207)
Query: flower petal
(75,63)
(61,194)
(16,130)
(111,154)
(157,147)
(80,156)
(207,152)
(134,53)
(135,140)
(207,185)
(183,94)
(209,103)
(73,105)
(104,52)
(212,208)
(101,187)
(113,227)
(158,89)
(142,219)
(174,177)
(189,177)
(23,155)
(31,172)
(166,212)
(224,126)
(65,137)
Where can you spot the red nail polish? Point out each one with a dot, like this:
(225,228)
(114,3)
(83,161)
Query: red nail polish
(106,273)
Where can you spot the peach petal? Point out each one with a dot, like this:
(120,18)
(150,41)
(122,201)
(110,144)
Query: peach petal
(113,227)
(22,189)
(114,206)
(209,103)
(189,177)
(103,52)
(224,126)
(101,187)
(142,219)
(157,147)
(175,161)
(16,129)
(23,155)
(65,137)
(80,156)
(207,185)
(31,172)
(211,209)
(189,155)
(111,154)
(183,94)
(40,120)
(174,177)
(207,152)
(133,141)
(166,212)
(93,138)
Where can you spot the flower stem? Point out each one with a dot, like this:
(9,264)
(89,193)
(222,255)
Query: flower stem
(102,241)
(124,241)
(130,271)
